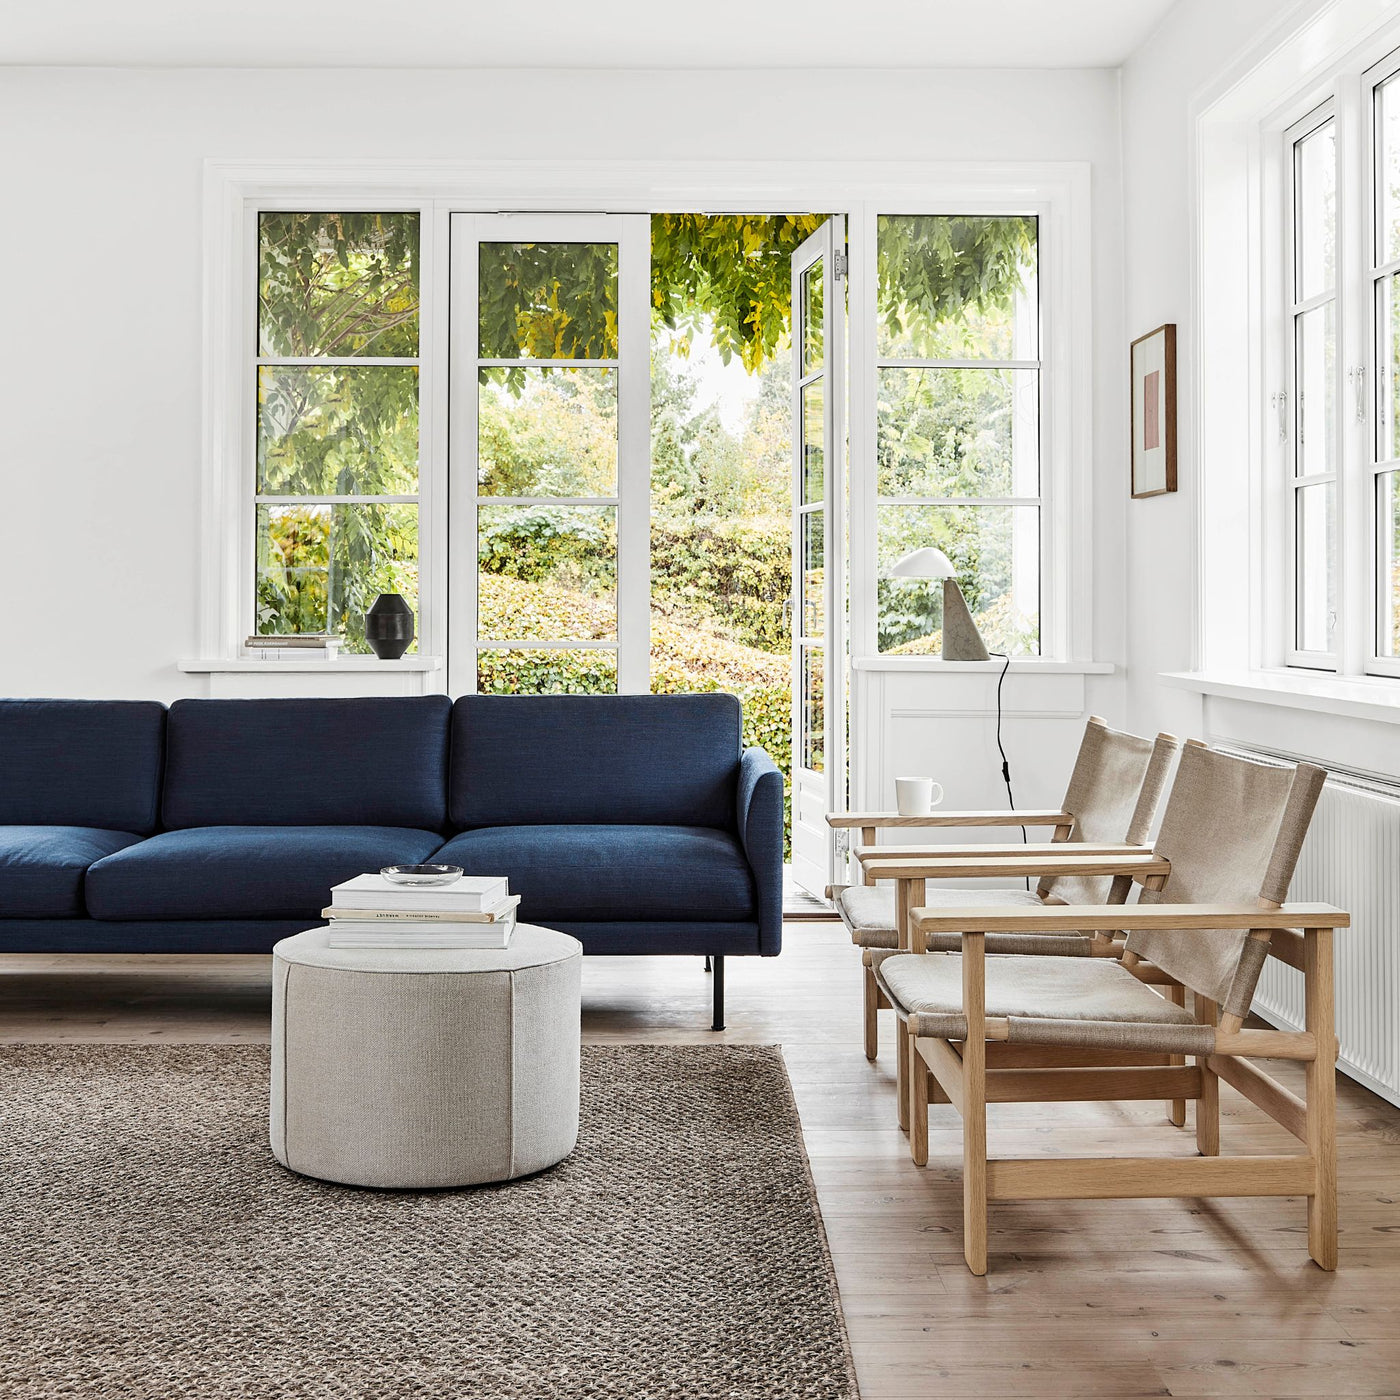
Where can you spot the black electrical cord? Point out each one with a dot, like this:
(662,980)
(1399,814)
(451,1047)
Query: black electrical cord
(1005,762)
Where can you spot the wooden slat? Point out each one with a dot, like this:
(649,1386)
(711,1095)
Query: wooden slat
(1010,919)
(1286,945)
(1111,1178)
(1047,863)
(1282,1105)
(1091,1085)
(1035,817)
(990,849)
(947,1067)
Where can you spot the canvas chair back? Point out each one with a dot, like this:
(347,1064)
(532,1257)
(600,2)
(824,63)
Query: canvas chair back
(1232,830)
(1112,795)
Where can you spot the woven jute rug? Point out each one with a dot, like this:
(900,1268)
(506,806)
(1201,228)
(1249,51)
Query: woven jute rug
(152,1247)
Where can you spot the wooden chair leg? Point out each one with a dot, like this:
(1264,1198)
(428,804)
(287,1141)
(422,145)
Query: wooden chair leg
(1208,1104)
(918,1104)
(974,1106)
(1321,1096)
(1176,1108)
(872,1014)
(901,1078)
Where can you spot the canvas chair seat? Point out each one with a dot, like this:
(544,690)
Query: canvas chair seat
(1073,1001)
(868,910)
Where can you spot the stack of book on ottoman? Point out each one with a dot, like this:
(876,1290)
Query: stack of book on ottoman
(373,912)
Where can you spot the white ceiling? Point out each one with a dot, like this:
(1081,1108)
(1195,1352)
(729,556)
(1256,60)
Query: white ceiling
(577,33)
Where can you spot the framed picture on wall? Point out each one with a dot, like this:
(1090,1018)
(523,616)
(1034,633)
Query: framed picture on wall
(1154,412)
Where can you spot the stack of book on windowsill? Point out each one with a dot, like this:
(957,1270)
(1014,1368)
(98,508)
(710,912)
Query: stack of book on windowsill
(372,912)
(304,646)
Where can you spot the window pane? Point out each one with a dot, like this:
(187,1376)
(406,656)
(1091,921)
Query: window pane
(1315,219)
(1388,169)
(957,287)
(813,600)
(548,301)
(1316,341)
(338,431)
(1388,563)
(547,432)
(548,573)
(1317,574)
(996,550)
(813,708)
(337,284)
(813,439)
(1388,370)
(958,432)
(813,326)
(320,567)
(546,671)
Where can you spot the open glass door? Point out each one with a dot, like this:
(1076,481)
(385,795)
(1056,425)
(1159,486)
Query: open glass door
(818,540)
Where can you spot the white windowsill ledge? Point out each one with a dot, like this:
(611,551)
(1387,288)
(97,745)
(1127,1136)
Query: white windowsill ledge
(1020,665)
(1361,697)
(342,665)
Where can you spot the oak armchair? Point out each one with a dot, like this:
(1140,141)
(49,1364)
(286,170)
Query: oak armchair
(1033,1029)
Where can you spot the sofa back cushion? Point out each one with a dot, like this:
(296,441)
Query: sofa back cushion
(521,760)
(359,762)
(92,763)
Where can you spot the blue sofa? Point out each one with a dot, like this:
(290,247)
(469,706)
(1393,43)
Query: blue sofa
(638,824)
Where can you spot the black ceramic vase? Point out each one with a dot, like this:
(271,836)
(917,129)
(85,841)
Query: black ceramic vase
(389,626)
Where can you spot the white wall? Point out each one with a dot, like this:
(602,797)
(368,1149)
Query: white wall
(1200,47)
(101,239)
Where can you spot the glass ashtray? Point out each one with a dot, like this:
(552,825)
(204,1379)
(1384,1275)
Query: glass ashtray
(422,874)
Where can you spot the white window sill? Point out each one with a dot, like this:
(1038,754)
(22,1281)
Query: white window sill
(1027,665)
(1362,697)
(341,665)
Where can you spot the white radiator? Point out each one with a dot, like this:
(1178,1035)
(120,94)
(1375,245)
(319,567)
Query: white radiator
(1351,858)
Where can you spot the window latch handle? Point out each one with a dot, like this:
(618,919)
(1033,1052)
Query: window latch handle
(1358,389)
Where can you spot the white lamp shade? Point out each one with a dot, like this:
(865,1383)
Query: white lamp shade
(923,563)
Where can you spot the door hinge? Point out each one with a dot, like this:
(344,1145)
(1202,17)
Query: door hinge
(840,266)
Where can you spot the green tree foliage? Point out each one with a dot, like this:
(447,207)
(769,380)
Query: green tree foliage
(338,285)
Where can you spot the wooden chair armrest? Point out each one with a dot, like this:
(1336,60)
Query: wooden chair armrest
(1048,863)
(1108,918)
(1012,849)
(1038,817)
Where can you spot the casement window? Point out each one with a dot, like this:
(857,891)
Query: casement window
(336,482)
(1339,352)
(958,424)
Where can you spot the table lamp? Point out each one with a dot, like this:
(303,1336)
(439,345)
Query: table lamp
(961,639)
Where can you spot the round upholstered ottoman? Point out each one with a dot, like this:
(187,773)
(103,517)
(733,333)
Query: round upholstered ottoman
(425,1067)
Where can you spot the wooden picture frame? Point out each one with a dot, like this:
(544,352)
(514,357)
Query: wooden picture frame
(1152,359)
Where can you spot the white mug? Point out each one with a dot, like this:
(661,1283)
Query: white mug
(917,797)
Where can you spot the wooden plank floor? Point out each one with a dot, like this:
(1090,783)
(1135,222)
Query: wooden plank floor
(1116,1298)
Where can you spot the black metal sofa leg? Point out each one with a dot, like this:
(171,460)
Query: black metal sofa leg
(718,1024)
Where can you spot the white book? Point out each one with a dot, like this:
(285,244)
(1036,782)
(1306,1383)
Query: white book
(430,925)
(413,936)
(470,893)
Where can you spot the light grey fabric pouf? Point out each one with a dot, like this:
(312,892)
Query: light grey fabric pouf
(425,1067)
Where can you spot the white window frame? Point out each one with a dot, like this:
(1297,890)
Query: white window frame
(247,604)
(1344,94)
(632,368)
(1052,617)
(1057,192)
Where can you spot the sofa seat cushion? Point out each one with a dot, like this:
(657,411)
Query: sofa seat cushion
(42,867)
(612,872)
(245,872)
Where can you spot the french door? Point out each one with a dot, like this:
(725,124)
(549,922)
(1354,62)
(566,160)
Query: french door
(818,551)
(549,573)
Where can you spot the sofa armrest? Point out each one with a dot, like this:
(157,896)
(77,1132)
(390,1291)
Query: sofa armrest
(760,821)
